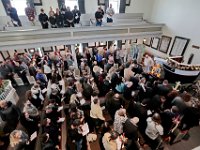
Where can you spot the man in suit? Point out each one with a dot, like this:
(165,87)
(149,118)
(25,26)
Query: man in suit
(43,18)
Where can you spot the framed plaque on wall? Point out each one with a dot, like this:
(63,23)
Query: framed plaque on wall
(5,54)
(60,47)
(164,43)
(155,42)
(101,2)
(38,2)
(147,41)
(179,46)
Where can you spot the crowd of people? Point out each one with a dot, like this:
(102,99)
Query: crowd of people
(118,99)
(63,17)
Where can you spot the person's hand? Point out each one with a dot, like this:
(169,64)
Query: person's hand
(27,142)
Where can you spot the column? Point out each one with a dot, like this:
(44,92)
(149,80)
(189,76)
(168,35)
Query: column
(122,7)
(119,44)
(74,55)
(81,48)
(106,5)
(81,4)
(5,2)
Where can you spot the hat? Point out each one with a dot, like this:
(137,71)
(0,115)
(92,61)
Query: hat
(134,120)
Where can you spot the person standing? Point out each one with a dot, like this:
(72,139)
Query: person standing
(148,63)
(154,130)
(110,12)
(77,15)
(68,18)
(52,19)
(43,18)
(12,12)
(30,13)
(59,18)
(99,16)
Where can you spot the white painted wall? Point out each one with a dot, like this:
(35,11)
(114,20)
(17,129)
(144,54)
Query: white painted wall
(91,6)
(182,19)
(141,6)
(2,12)
(137,6)
(46,4)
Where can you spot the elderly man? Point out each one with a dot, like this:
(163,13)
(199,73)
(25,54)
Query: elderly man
(110,12)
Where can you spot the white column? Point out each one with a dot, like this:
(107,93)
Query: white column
(74,55)
(81,48)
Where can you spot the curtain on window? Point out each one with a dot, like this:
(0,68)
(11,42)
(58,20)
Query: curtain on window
(5,2)
(81,4)
(61,3)
(122,7)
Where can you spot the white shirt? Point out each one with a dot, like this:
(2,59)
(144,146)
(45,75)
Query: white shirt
(47,69)
(148,61)
(153,129)
(110,12)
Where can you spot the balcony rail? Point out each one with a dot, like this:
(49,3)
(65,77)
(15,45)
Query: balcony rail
(34,38)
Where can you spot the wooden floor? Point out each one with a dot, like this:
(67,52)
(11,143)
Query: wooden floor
(193,142)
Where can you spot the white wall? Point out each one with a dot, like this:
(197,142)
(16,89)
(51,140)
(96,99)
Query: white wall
(91,6)
(2,12)
(182,19)
(141,6)
(46,4)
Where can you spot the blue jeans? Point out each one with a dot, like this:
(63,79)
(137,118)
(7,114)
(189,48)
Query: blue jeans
(98,23)
(79,144)
(109,20)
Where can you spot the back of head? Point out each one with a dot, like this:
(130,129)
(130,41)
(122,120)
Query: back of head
(156,118)
(113,135)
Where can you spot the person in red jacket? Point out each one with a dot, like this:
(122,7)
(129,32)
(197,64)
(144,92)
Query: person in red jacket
(30,13)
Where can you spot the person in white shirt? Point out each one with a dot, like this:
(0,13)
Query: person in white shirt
(47,70)
(96,113)
(148,63)
(154,130)
(110,12)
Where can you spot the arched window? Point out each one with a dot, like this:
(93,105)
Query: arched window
(71,4)
(20,5)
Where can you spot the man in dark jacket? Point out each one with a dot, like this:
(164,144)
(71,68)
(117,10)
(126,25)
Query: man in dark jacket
(59,18)
(99,16)
(43,18)
(131,132)
(77,15)
(10,114)
(68,18)
(12,12)
(52,19)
